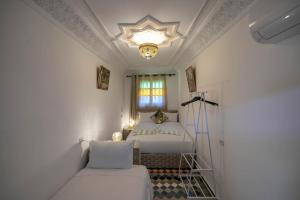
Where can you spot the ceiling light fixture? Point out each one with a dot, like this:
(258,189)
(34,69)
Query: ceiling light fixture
(148,41)
(148,35)
(148,50)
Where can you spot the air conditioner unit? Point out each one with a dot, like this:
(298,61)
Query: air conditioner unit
(274,20)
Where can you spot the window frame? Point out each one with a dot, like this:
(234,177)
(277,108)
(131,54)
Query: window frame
(153,91)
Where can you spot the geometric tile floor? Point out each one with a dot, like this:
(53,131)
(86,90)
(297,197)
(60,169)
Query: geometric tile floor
(166,184)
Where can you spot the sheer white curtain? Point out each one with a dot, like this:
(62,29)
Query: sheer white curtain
(151,93)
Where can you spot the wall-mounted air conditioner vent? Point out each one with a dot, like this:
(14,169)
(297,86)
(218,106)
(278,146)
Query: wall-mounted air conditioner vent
(274,20)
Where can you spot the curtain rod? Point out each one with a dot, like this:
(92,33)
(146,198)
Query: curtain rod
(141,75)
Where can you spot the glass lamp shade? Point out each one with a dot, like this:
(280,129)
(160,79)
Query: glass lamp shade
(148,50)
(131,123)
(149,36)
(117,136)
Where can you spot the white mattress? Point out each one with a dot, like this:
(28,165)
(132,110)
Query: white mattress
(108,184)
(162,143)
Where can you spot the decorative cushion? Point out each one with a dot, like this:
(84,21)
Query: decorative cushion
(110,155)
(159,117)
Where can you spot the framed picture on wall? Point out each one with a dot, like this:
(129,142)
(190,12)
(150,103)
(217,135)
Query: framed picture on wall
(102,78)
(191,78)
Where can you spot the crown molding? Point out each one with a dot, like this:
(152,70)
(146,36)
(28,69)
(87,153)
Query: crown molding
(225,13)
(77,19)
(205,14)
(196,26)
(67,18)
(82,7)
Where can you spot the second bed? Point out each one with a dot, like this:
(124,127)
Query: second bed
(161,144)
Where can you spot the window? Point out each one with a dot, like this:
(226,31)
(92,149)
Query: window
(151,93)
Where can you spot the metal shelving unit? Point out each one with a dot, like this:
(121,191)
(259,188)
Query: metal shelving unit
(194,183)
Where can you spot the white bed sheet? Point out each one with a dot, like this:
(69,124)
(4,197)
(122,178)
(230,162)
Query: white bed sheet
(162,143)
(108,184)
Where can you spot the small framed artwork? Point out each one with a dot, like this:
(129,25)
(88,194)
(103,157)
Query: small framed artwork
(102,78)
(191,78)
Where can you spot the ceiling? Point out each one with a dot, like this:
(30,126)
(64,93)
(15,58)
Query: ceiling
(95,23)
(111,13)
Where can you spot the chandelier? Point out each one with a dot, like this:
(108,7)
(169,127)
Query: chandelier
(148,35)
(148,41)
(148,50)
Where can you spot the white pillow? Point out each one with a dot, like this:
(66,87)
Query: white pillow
(145,116)
(172,117)
(111,155)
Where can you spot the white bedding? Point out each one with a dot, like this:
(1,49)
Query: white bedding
(168,137)
(108,184)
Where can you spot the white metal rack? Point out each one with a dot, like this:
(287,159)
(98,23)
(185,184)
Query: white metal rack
(194,183)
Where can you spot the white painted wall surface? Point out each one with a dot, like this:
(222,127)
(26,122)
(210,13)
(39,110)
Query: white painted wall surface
(172,92)
(258,88)
(48,100)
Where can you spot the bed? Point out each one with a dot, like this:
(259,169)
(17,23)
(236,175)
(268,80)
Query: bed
(169,137)
(161,144)
(108,184)
(109,175)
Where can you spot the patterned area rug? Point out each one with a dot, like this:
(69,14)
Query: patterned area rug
(167,185)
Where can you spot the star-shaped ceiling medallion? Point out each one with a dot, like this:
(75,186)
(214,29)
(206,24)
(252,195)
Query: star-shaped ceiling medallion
(149,30)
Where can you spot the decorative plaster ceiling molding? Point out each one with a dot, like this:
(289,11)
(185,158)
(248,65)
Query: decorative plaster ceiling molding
(192,30)
(209,8)
(86,13)
(226,14)
(83,9)
(77,19)
(73,24)
(167,29)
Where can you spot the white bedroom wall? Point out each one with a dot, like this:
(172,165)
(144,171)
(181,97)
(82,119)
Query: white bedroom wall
(172,92)
(48,100)
(258,88)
